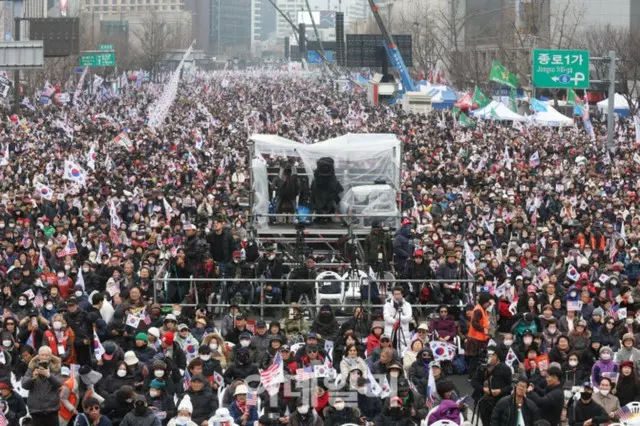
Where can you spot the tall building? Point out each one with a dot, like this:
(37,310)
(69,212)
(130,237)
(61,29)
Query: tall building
(119,20)
(263,20)
(201,23)
(291,9)
(230,34)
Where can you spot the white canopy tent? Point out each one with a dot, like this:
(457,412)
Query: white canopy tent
(620,105)
(551,118)
(359,159)
(501,113)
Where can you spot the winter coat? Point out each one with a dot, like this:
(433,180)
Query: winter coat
(444,327)
(505,413)
(236,413)
(205,404)
(581,412)
(401,248)
(333,417)
(419,373)
(147,419)
(43,391)
(163,403)
(347,364)
(315,420)
(626,354)
(498,378)
(550,404)
(610,403)
(602,367)
(327,327)
(627,389)
(609,338)
(446,410)
(369,406)
(240,371)
(404,314)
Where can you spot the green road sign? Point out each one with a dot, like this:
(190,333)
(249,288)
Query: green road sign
(106,47)
(561,69)
(98,59)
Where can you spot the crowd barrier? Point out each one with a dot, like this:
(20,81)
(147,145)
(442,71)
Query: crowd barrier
(350,291)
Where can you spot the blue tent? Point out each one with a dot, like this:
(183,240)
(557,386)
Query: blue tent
(442,97)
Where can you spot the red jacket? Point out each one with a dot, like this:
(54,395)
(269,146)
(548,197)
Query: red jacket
(373,343)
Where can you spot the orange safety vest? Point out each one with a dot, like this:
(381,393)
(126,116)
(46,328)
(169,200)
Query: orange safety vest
(484,322)
(71,384)
(73,399)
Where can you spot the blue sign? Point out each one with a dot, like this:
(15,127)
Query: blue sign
(313,57)
(79,70)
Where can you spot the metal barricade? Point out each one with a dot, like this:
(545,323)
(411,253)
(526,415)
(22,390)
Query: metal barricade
(260,281)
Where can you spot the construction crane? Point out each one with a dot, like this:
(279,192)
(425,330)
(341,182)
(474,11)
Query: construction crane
(392,51)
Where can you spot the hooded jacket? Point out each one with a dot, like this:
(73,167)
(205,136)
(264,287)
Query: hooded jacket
(326,324)
(145,419)
(43,391)
(505,412)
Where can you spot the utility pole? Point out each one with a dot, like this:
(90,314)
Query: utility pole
(612,95)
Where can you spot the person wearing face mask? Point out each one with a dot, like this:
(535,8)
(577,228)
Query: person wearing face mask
(585,411)
(218,348)
(48,310)
(160,372)
(22,307)
(604,397)
(295,324)
(121,376)
(59,338)
(270,265)
(395,414)
(574,371)
(141,415)
(325,324)
(304,415)
(76,389)
(160,402)
(241,368)
(560,350)
(211,366)
(604,366)
(338,413)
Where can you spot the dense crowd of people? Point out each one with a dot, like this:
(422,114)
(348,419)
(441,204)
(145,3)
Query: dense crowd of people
(90,337)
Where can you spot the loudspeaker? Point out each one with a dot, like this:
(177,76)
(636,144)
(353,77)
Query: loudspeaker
(302,46)
(340,47)
(287,48)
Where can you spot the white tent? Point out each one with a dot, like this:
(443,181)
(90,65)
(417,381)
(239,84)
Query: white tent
(501,113)
(551,118)
(620,105)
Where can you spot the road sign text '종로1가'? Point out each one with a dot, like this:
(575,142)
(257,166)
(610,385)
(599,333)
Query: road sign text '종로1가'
(561,69)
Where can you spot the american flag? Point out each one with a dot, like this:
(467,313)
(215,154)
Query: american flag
(625,414)
(115,239)
(304,374)
(187,380)
(252,399)
(70,248)
(39,300)
(273,375)
(613,312)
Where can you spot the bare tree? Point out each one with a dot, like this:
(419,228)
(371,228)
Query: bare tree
(153,38)
(417,21)
(626,44)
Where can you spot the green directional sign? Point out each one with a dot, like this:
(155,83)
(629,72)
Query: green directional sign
(106,47)
(561,69)
(98,59)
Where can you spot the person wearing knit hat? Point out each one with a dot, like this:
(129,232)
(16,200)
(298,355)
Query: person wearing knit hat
(142,350)
(628,385)
(185,411)
(171,348)
(223,418)
(628,351)
(604,366)
(163,405)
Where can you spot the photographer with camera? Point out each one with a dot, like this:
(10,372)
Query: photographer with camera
(397,316)
(491,382)
(378,248)
(43,382)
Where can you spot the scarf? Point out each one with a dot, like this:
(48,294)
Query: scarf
(242,405)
